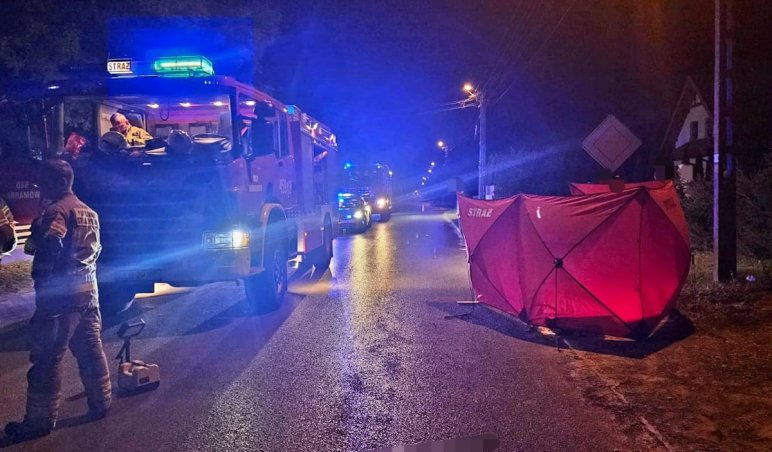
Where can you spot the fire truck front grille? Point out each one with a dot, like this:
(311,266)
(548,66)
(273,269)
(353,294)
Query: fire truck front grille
(149,228)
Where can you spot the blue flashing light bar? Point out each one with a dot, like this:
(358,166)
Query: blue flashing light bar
(183,66)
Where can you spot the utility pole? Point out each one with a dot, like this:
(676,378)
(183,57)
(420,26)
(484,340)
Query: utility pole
(477,97)
(444,148)
(724,183)
(482,171)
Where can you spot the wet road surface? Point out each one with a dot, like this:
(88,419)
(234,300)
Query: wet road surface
(373,353)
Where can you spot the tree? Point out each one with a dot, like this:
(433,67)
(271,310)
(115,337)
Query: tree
(41,39)
(37,38)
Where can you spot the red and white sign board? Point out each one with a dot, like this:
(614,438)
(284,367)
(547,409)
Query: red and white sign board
(611,143)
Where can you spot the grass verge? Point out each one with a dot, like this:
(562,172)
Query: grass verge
(15,277)
(711,389)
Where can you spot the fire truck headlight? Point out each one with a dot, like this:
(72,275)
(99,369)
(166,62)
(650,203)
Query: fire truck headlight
(236,239)
(240,239)
(358,214)
(381,203)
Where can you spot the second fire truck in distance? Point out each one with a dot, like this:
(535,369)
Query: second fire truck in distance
(373,183)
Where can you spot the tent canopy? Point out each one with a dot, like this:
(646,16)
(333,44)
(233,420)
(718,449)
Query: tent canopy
(611,263)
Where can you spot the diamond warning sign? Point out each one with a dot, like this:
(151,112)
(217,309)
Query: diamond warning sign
(611,143)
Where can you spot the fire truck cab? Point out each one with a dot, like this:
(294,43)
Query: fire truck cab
(233,185)
(373,183)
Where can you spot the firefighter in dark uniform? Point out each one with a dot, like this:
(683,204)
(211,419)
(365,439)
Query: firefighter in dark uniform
(7,233)
(65,245)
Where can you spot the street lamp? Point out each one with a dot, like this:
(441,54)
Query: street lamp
(444,148)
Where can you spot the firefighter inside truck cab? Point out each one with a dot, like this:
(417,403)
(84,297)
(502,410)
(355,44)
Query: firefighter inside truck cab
(258,132)
(262,127)
(135,136)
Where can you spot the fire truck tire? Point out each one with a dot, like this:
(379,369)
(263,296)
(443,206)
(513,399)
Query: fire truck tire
(265,291)
(361,227)
(115,298)
(386,216)
(320,258)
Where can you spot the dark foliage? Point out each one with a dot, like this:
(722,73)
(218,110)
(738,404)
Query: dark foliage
(43,39)
(754,211)
(697,201)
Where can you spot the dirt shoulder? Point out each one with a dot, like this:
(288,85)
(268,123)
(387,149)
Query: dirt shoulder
(15,278)
(704,383)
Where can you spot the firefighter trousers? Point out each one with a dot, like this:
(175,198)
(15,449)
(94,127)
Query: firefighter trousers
(50,335)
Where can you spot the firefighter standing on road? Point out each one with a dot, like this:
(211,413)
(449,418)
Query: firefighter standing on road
(7,233)
(65,245)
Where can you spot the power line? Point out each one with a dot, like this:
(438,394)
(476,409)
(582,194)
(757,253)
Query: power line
(450,106)
(518,43)
(533,56)
(503,45)
(539,26)
(517,40)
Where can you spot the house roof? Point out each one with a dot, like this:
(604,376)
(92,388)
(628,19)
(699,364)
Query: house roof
(685,103)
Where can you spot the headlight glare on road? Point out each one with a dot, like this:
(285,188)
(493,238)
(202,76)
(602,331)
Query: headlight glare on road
(381,203)
(235,239)
(358,214)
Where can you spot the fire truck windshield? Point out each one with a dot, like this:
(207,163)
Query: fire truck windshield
(79,123)
(90,117)
(366,176)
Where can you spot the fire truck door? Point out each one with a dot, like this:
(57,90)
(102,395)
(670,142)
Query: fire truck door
(305,166)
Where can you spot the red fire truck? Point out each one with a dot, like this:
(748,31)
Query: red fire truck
(373,183)
(234,184)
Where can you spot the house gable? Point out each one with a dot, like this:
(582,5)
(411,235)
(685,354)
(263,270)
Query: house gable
(697,124)
(690,128)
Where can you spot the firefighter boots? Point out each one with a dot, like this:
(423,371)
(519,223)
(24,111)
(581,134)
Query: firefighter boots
(29,428)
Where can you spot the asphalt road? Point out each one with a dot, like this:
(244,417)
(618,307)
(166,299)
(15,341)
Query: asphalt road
(374,353)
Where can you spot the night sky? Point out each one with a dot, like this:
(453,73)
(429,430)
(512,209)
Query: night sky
(379,73)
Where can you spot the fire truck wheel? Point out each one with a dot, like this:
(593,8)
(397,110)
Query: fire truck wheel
(384,217)
(265,291)
(115,298)
(320,258)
